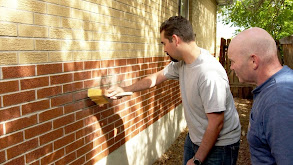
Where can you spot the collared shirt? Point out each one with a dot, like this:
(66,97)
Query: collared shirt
(270,134)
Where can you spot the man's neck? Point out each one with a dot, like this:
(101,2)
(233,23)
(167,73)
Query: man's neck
(190,52)
(267,73)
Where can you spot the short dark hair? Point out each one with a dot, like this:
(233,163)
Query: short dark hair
(180,26)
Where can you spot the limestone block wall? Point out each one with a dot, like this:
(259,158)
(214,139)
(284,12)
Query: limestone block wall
(203,15)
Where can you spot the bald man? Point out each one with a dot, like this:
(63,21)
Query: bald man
(253,55)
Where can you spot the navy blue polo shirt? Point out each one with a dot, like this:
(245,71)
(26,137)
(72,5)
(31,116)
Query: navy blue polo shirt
(270,134)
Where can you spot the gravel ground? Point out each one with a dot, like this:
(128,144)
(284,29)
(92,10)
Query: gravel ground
(174,155)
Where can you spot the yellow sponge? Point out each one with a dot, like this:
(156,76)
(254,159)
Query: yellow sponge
(98,96)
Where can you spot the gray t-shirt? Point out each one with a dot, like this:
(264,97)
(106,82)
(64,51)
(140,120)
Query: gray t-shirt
(205,89)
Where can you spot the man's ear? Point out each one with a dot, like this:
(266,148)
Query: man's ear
(255,61)
(176,39)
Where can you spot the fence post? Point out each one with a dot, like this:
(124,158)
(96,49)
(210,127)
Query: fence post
(287,45)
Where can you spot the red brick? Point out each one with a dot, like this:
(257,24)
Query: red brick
(49,69)
(50,114)
(66,159)
(73,107)
(9,113)
(92,64)
(17,98)
(74,146)
(47,92)
(80,95)
(34,83)
(39,153)
(78,162)
(37,130)
(84,149)
(88,130)
(92,119)
(1,130)
(8,86)
(63,121)
(114,147)
(72,87)
(107,63)
(64,141)
(73,66)
(89,103)
(140,60)
(113,71)
(92,153)
(84,113)
(73,127)
(37,162)
(120,62)
(22,148)
(51,136)
(17,161)
(11,140)
(82,75)
(2,156)
(52,157)
(98,73)
(20,123)
(60,100)
(131,61)
(35,106)
(18,71)
(60,79)
(92,83)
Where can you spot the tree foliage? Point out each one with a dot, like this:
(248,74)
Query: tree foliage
(275,16)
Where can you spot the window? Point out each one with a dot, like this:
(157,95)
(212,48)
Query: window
(184,8)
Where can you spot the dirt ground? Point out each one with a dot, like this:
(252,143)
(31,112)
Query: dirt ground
(174,155)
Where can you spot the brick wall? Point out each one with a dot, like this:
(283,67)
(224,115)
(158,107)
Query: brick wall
(52,51)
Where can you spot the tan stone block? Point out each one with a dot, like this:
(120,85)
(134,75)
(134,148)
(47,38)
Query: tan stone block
(60,33)
(60,56)
(71,3)
(13,15)
(8,58)
(33,57)
(34,6)
(58,10)
(52,1)
(72,23)
(32,31)
(46,20)
(82,35)
(95,55)
(80,14)
(76,45)
(8,29)
(108,54)
(81,55)
(48,45)
(16,44)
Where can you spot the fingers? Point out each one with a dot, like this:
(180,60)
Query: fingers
(113,91)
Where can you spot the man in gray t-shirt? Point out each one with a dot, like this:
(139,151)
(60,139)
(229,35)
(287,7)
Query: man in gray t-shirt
(205,89)
(213,122)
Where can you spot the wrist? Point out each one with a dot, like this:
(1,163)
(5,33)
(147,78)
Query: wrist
(196,161)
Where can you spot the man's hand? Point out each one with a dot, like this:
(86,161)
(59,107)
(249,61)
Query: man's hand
(190,162)
(113,91)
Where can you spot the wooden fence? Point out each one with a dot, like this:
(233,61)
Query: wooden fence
(240,90)
(287,46)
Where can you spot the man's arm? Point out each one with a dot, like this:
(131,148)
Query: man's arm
(145,83)
(215,125)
